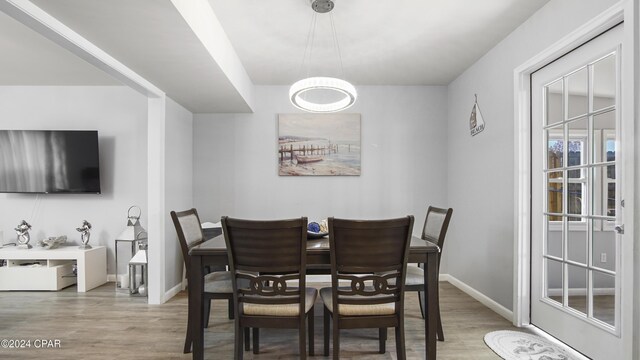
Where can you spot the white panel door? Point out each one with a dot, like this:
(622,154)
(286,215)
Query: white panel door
(576,263)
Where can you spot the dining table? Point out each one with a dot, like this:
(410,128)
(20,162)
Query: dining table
(213,252)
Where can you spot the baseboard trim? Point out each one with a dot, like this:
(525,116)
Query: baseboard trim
(482,298)
(172,292)
(167,295)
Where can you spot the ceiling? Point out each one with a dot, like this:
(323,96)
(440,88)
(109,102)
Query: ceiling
(28,58)
(153,39)
(401,42)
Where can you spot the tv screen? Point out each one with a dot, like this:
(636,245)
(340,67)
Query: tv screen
(49,161)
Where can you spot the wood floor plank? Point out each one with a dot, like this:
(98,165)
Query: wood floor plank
(101,324)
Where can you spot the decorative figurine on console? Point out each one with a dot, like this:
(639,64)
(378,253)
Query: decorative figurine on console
(85,234)
(23,235)
(52,242)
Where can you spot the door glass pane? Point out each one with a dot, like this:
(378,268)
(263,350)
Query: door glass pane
(610,148)
(577,244)
(555,149)
(604,297)
(577,89)
(605,123)
(611,172)
(554,191)
(609,178)
(604,248)
(610,175)
(577,287)
(554,237)
(611,199)
(554,102)
(604,83)
(577,131)
(576,200)
(600,207)
(554,280)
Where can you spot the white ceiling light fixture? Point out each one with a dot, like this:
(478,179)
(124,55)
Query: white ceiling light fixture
(346,92)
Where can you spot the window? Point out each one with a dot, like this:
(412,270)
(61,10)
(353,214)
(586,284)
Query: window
(576,178)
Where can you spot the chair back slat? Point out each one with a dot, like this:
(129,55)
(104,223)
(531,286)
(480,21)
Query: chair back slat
(368,254)
(370,285)
(368,245)
(436,225)
(189,231)
(267,252)
(269,285)
(258,249)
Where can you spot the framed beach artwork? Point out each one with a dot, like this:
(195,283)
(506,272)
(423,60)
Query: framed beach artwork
(319,144)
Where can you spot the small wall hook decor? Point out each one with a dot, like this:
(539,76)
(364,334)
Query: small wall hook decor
(476,122)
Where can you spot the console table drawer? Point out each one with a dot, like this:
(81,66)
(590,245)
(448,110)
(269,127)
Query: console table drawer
(52,275)
(56,270)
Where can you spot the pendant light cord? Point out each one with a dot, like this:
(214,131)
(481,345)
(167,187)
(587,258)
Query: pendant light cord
(337,44)
(308,46)
(307,56)
(313,40)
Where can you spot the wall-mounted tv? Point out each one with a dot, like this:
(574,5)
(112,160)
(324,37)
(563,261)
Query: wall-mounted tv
(49,161)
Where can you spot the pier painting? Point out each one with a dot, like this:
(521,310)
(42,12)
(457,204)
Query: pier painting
(319,144)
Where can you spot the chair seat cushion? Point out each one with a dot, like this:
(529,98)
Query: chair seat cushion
(282,309)
(218,282)
(356,310)
(415,276)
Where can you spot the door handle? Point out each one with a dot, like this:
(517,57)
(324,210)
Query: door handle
(619,229)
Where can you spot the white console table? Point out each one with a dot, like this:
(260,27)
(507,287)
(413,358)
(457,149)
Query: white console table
(55,270)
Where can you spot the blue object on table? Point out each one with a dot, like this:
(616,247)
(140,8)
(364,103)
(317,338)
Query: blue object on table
(313,227)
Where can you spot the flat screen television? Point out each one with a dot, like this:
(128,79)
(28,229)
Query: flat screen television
(49,161)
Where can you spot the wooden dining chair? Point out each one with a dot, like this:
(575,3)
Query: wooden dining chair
(435,229)
(265,257)
(217,284)
(371,255)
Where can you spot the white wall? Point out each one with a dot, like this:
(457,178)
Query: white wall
(481,168)
(120,116)
(404,160)
(178,183)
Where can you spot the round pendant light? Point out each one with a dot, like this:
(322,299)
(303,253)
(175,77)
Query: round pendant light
(344,88)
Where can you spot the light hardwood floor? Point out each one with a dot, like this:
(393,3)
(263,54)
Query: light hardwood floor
(102,325)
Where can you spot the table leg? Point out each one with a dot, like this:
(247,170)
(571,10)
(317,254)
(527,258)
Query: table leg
(196,323)
(431,311)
